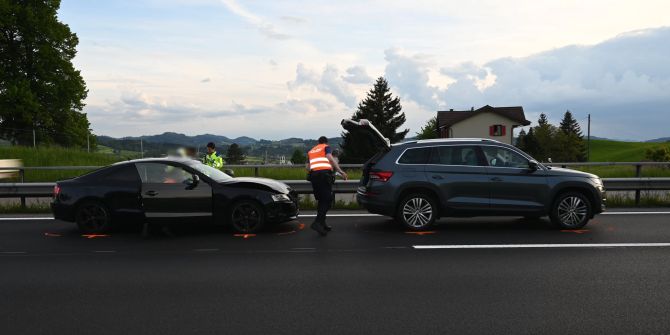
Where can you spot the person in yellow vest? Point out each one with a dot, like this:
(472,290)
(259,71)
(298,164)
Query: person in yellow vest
(212,158)
(320,164)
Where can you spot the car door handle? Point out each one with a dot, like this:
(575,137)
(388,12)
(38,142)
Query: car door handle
(437,177)
(496,179)
(151,193)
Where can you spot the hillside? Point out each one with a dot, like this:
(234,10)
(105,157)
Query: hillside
(617,151)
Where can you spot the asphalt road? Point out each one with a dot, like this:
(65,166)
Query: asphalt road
(511,276)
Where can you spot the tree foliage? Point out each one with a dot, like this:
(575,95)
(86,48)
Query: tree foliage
(298,157)
(562,144)
(235,155)
(658,154)
(385,113)
(429,130)
(39,87)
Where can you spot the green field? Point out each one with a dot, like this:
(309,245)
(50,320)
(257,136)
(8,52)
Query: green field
(616,151)
(601,151)
(55,156)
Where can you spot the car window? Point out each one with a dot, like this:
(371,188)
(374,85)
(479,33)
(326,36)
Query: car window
(455,155)
(415,156)
(502,157)
(124,174)
(160,173)
(214,174)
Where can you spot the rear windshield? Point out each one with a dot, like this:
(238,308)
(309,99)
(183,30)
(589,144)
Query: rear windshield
(415,156)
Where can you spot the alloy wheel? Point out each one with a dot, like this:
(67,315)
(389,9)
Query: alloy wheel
(246,217)
(417,212)
(572,211)
(92,218)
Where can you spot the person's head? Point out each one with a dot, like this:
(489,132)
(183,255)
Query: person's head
(211,147)
(323,140)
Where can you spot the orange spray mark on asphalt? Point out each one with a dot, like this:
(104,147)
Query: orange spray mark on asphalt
(245,236)
(301,226)
(91,236)
(52,235)
(576,231)
(420,233)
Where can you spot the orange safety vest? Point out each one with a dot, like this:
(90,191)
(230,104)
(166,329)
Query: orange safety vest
(317,158)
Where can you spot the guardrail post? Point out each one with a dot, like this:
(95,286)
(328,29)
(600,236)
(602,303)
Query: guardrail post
(22,176)
(256,171)
(638,174)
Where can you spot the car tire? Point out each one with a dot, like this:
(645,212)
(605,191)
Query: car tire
(93,217)
(247,216)
(417,211)
(571,210)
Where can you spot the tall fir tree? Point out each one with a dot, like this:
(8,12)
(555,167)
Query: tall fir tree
(530,144)
(545,134)
(570,140)
(521,140)
(384,112)
(235,155)
(40,90)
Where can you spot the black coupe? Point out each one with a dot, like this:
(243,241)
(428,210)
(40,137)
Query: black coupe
(163,190)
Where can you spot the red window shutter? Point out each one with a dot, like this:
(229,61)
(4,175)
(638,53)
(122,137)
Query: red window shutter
(492,130)
(503,131)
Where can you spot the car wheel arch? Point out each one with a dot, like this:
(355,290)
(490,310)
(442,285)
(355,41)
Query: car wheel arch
(419,188)
(588,193)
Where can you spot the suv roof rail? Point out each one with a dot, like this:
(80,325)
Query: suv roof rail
(455,139)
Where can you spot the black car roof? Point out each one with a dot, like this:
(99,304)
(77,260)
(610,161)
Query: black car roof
(439,141)
(182,160)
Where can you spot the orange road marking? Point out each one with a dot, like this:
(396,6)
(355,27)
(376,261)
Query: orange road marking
(286,233)
(245,236)
(52,235)
(90,236)
(301,226)
(420,233)
(576,231)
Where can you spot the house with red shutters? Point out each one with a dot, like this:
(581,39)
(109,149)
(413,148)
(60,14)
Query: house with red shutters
(496,123)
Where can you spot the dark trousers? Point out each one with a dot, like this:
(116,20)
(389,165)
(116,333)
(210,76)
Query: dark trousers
(322,183)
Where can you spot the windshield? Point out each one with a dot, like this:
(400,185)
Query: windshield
(211,172)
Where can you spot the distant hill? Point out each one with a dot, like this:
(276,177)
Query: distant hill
(662,139)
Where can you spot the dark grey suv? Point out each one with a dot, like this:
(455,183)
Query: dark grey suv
(417,182)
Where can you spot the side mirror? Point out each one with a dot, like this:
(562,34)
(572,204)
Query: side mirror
(533,165)
(229,172)
(193,182)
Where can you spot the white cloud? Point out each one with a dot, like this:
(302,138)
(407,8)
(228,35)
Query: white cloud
(357,75)
(264,26)
(329,81)
(623,82)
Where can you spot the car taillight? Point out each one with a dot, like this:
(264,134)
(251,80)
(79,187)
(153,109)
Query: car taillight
(381,175)
(56,191)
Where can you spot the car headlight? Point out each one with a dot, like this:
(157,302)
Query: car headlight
(281,198)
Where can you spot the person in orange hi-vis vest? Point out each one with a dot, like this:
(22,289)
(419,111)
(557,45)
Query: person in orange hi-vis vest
(320,164)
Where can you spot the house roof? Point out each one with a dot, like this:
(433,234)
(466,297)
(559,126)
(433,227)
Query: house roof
(451,117)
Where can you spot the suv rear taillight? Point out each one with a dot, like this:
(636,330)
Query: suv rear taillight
(381,175)
(56,191)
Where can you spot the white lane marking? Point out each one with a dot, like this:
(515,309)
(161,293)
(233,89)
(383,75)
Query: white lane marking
(206,250)
(352,215)
(518,246)
(632,213)
(104,251)
(13,252)
(339,215)
(303,248)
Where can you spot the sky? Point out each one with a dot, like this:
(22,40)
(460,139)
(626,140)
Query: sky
(280,69)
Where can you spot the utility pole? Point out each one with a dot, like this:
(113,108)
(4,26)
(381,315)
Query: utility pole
(88,143)
(588,140)
(34,139)
(141,149)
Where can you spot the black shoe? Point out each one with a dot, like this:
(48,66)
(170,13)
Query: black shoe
(327,227)
(319,229)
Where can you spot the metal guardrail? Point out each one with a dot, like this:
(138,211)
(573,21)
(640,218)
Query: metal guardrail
(43,190)
(23,190)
